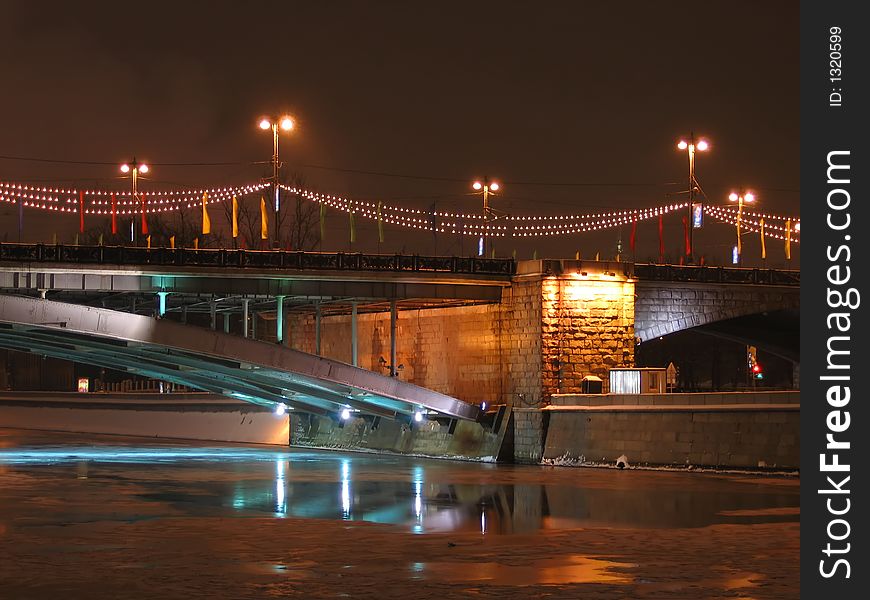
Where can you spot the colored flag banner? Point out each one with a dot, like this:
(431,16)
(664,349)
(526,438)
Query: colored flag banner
(788,239)
(144,221)
(81,212)
(264,220)
(206,222)
(352,228)
(380,224)
(114,215)
(761,229)
(235,218)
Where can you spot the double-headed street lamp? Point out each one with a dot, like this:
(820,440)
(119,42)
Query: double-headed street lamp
(134,167)
(740,198)
(487,187)
(284,123)
(690,146)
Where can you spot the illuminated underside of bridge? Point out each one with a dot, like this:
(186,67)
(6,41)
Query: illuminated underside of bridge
(258,372)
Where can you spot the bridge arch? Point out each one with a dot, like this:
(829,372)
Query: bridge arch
(662,308)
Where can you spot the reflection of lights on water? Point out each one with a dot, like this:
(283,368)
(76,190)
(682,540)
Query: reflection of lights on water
(418,499)
(482,522)
(116,454)
(345,488)
(280,490)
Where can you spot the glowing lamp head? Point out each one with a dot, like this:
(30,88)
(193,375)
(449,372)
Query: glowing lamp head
(477,185)
(703,146)
(418,416)
(682,145)
(345,414)
(265,123)
(733,196)
(280,409)
(125,168)
(749,197)
(286,123)
(797,226)
(143,168)
(494,186)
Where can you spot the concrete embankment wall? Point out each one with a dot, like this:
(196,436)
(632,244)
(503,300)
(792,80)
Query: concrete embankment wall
(743,430)
(194,416)
(444,439)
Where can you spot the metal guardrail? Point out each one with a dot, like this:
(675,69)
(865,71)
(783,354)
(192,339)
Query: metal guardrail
(255,259)
(727,275)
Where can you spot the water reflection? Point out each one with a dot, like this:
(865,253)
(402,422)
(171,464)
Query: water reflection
(423,496)
(345,489)
(280,488)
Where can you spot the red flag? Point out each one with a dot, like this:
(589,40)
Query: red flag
(114,213)
(661,239)
(144,222)
(686,234)
(81,211)
(682,260)
(633,236)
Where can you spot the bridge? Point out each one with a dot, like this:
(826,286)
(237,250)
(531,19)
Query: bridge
(478,330)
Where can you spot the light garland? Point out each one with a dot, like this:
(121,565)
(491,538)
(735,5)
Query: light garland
(99,203)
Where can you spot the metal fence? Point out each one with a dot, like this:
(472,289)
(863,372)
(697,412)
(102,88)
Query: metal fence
(727,275)
(255,259)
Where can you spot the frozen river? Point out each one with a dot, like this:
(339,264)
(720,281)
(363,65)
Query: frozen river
(93,517)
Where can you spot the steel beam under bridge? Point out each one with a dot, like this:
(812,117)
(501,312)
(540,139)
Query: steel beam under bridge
(258,372)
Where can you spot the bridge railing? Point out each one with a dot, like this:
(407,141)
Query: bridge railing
(254,259)
(708,274)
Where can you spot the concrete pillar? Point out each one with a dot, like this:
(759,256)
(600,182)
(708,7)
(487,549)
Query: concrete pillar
(184,313)
(253,324)
(133,305)
(245,319)
(279,319)
(317,324)
(393,318)
(212,309)
(354,342)
(226,322)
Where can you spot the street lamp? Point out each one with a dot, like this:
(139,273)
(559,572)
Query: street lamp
(134,167)
(284,123)
(487,187)
(740,198)
(690,146)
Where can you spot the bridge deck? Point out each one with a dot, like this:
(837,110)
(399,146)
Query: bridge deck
(258,372)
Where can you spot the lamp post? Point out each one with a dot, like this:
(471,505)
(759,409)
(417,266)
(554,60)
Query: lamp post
(284,123)
(134,167)
(487,187)
(740,198)
(690,146)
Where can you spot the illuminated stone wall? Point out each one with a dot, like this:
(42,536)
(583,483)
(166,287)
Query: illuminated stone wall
(547,333)
(587,329)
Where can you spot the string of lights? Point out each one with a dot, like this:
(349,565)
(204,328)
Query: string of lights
(751,226)
(101,202)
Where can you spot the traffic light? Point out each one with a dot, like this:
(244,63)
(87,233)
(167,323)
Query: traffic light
(757,371)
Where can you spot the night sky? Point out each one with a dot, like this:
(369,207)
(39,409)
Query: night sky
(588,98)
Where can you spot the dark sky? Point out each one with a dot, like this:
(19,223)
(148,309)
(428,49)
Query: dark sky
(557,92)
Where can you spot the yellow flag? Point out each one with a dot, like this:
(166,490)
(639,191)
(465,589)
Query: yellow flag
(206,222)
(148,241)
(235,217)
(788,239)
(196,243)
(264,220)
(763,249)
(172,242)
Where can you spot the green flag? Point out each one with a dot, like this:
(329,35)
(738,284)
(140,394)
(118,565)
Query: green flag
(322,222)
(352,228)
(380,225)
